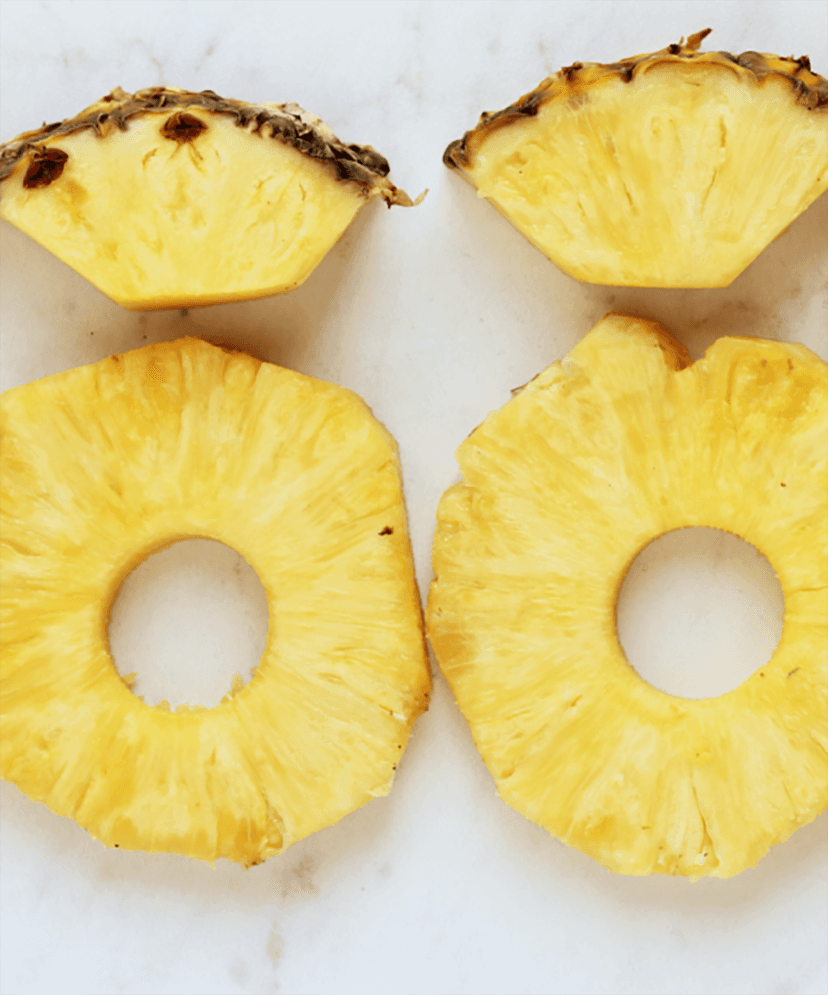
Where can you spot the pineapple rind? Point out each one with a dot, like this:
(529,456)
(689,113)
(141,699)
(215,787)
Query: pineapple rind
(184,439)
(674,169)
(619,443)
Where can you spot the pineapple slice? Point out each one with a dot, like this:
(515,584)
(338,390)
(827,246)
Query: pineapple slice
(673,169)
(621,442)
(105,464)
(166,198)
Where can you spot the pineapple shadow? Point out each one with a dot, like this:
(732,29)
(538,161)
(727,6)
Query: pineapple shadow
(761,301)
(553,311)
(299,330)
(545,863)
(530,855)
(523,291)
(79,324)
(68,322)
(295,877)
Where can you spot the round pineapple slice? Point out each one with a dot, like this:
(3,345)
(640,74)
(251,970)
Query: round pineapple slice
(166,198)
(105,464)
(621,442)
(672,169)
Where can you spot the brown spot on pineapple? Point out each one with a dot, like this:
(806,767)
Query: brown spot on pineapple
(45,167)
(181,127)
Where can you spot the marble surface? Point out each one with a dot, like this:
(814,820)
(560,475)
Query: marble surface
(432,315)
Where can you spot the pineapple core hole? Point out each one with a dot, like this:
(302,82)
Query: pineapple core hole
(186,621)
(699,612)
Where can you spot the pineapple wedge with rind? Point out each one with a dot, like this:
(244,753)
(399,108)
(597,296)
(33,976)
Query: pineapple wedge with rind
(671,169)
(623,441)
(168,198)
(101,466)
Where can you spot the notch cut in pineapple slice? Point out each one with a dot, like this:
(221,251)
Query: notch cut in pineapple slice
(166,198)
(104,464)
(619,443)
(672,169)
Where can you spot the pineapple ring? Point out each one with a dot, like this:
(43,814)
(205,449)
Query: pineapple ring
(185,439)
(621,442)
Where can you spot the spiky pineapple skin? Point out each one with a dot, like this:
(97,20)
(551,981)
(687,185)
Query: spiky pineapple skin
(671,169)
(168,198)
(102,465)
(623,441)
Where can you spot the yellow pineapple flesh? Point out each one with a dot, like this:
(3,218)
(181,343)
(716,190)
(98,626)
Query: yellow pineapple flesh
(167,198)
(105,464)
(672,169)
(623,441)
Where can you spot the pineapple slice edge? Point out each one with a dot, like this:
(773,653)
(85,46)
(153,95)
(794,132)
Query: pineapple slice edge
(168,198)
(319,729)
(670,169)
(562,487)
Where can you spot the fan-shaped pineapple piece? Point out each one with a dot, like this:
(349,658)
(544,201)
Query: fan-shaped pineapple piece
(166,198)
(621,442)
(105,464)
(673,169)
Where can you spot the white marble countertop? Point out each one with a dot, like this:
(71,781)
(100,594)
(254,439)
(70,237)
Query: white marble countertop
(432,315)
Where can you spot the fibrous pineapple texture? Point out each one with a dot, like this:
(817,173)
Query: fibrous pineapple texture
(673,169)
(105,464)
(167,198)
(621,442)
